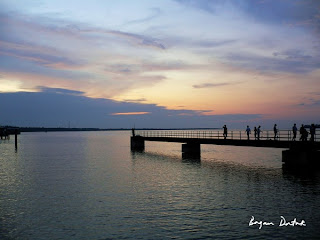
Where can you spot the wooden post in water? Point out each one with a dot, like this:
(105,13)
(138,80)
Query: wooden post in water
(16,139)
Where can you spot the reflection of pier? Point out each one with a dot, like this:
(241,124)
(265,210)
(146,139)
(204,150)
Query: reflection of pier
(297,153)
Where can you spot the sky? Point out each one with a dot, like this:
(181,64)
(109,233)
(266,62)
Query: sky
(159,64)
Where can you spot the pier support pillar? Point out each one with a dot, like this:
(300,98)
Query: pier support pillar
(191,150)
(301,158)
(137,143)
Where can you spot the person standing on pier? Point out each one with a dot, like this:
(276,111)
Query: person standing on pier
(294,131)
(248,130)
(258,132)
(303,133)
(312,132)
(255,133)
(225,131)
(275,131)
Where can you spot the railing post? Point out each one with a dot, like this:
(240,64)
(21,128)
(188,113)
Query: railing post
(231,134)
(240,135)
(279,135)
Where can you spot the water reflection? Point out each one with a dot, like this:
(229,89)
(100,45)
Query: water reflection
(304,176)
(91,186)
(229,193)
(207,163)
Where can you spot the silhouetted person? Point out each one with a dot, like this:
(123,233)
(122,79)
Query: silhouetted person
(133,133)
(302,132)
(305,135)
(225,131)
(275,131)
(248,130)
(312,132)
(258,132)
(255,133)
(294,131)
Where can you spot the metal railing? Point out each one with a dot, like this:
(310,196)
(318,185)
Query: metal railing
(282,135)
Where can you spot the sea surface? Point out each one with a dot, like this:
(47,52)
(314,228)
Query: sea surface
(89,185)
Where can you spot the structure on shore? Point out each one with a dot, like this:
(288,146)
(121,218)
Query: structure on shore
(5,133)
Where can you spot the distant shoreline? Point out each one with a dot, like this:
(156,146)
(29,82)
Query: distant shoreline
(45,129)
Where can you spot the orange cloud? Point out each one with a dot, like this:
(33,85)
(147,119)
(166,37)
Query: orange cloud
(130,113)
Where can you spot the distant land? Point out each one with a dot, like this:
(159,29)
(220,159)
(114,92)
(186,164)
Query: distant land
(62,129)
(12,129)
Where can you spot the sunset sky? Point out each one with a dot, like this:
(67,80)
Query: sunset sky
(151,63)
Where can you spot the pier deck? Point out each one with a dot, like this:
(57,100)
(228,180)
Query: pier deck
(237,142)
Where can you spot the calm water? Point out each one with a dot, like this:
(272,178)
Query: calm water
(88,185)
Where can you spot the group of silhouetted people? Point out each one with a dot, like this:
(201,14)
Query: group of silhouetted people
(304,133)
(257,131)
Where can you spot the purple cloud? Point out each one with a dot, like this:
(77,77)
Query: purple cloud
(212,85)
